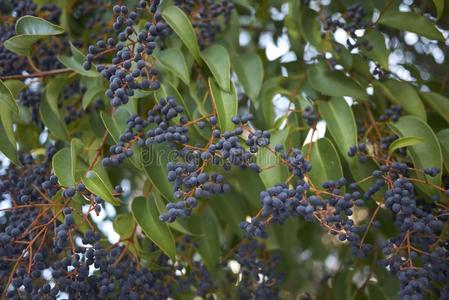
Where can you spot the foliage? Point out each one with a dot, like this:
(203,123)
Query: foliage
(163,149)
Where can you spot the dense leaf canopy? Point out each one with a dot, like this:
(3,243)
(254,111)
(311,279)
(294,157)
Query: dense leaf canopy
(224,149)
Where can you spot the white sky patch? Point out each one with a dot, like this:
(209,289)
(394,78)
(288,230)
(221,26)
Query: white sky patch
(310,52)
(349,100)
(274,50)
(410,38)
(244,38)
(110,210)
(319,133)
(234,266)
(438,55)
(281,105)
(332,263)
(126,186)
(341,36)
(108,230)
(43,136)
(289,57)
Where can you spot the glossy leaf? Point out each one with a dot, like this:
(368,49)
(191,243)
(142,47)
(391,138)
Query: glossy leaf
(63,167)
(217,59)
(325,161)
(404,94)
(91,93)
(8,108)
(424,155)
(342,285)
(342,127)
(413,22)
(124,225)
(116,125)
(376,293)
(334,83)
(174,61)
(7,99)
(181,25)
(53,120)
(438,102)
(443,138)
(405,141)
(340,122)
(310,26)
(272,171)
(75,63)
(29,30)
(176,225)
(226,104)
(76,146)
(96,185)
(155,159)
(250,72)
(439,5)
(379,52)
(53,90)
(15,87)
(146,214)
(209,242)
(7,139)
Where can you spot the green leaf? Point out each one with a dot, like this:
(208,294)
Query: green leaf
(264,107)
(181,25)
(226,104)
(443,137)
(116,125)
(124,225)
(426,154)
(310,26)
(379,52)
(334,83)
(6,114)
(63,167)
(438,103)
(7,139)
(7,99)
(29,30)
(404,94)
(405,141)
(92,92)
(15,86)
(342,285)
(217,59)
(413,22)
(376,293)
(53,120)
(325,161)
(340,123)
(111,126)
(75,63)
(96,185)
(146,214)
(53,89)
(176,225)
(250,72)
(439,5)
(76,146)
(174,61)
(342,127)
(209,242)
(155,159)
(272,171)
